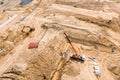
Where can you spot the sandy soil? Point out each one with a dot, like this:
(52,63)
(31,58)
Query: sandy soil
(93,26)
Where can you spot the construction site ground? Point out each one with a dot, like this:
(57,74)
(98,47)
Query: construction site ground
(93,26)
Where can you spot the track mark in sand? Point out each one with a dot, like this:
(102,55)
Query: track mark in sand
(8,60)
(103,64)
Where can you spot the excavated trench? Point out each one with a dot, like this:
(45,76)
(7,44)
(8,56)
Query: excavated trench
(25,2)
(91,5)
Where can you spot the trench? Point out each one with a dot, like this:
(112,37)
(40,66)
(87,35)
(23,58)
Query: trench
(58,73)
(45,57)
(61,65)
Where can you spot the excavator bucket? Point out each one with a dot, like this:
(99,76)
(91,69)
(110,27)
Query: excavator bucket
(33,45)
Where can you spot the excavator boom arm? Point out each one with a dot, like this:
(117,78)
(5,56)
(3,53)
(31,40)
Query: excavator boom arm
(74,50)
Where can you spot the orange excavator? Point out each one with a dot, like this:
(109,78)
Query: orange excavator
(75,55)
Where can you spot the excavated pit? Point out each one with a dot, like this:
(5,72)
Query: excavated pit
(51,63)
(92,26)
(43,65)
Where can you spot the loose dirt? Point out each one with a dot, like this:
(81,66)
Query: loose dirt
(93,26)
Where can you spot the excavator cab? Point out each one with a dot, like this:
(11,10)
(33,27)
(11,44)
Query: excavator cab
(78,57)
(82,58)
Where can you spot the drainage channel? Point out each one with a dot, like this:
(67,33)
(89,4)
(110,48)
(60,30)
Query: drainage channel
(62,63)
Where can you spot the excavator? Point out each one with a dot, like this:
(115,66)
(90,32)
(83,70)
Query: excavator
(27,29)
(75,55)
